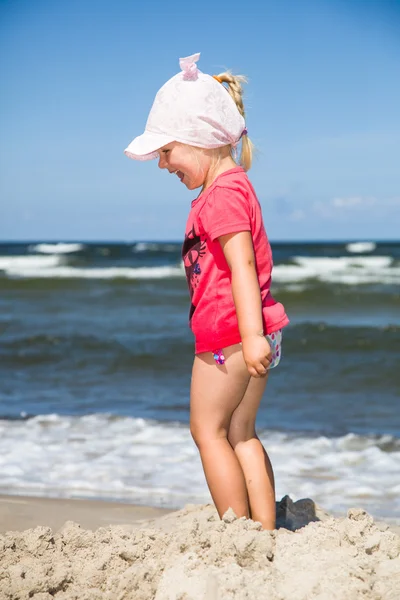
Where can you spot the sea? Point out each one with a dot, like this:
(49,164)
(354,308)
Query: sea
(95,367)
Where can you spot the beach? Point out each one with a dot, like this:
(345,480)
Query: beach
(93,550)
(103,492)
(95,367)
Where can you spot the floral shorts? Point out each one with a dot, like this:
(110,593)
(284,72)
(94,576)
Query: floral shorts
(273,339)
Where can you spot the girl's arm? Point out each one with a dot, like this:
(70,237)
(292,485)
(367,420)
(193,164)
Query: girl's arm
(239,254)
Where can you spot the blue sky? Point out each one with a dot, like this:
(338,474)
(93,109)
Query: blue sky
(322,105)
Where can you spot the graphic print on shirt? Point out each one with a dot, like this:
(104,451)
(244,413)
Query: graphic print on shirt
(193,249)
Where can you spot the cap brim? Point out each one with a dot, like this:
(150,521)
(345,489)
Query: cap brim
(146,146)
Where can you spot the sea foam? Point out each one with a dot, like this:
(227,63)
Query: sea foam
(345,270)
(58,248)
(361,247)
(150,462)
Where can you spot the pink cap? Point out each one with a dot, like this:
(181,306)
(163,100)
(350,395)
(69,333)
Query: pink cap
(192,108)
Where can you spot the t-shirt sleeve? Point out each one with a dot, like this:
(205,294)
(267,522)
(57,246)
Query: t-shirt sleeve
(225,211)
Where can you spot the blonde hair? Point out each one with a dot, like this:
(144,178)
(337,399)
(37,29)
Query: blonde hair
(234,88)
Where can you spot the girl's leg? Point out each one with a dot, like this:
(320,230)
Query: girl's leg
(216,392)
(253,459)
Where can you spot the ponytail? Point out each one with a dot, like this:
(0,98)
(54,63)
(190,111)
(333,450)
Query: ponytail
(234,87)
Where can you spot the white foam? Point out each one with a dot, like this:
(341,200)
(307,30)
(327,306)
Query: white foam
(157,464)
(145,247)
(53,267)
(347,270)
(350,270)
(154,247)
(58,248)
(361,247)
(15,264)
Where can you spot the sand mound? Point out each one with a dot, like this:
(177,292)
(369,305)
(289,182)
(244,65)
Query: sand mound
(192,555)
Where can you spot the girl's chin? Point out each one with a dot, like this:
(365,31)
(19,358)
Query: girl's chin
(192,185)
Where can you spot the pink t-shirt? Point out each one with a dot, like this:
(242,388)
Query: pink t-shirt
(229,205)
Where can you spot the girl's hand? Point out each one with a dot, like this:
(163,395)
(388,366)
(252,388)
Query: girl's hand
(257,355)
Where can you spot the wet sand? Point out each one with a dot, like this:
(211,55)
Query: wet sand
(18,513)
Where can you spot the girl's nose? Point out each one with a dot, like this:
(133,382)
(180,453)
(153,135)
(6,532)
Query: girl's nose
(161,162)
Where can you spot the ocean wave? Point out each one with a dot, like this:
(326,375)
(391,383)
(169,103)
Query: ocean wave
(151,462)
(129,354)
(38,267)
(13,265)
(142,345)
(155,247)
(58,248)
(345,270)
(361,247)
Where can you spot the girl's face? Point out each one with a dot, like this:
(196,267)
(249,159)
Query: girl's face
(189,164)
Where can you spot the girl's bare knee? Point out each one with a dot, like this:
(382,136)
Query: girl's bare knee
(202,436)
(241,434)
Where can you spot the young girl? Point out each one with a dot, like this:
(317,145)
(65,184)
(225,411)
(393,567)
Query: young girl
(194,127)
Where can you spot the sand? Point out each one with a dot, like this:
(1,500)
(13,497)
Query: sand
(192,555)
(25,512)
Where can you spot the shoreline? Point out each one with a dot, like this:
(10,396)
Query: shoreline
(19,513)
(22,512)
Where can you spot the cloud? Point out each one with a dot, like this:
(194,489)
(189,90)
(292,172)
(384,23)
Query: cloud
(353,202)
(345,204)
